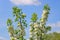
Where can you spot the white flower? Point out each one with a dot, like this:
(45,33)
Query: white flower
(15,38)
(44,11)
(35,25)
(31,34)
(36,29)
(12,38)
(40,25)
(42,20)
(35,38)
(35,32)
(19,24)
(11,29)
(44,16)
(42,33)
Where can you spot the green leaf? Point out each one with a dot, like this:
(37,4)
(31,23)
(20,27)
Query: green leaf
(46,7)
(9,22)
(34,17)
(16,31)
(23,16)
(48,28)
(16,19)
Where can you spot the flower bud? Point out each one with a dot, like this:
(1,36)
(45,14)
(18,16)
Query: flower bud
(35,25)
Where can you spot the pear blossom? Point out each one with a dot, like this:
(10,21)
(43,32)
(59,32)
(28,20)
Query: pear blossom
(35,25)
(19,24)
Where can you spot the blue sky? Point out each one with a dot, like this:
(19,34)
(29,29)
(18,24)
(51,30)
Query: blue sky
(28,7)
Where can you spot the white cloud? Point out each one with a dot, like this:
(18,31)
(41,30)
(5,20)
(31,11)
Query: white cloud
(26,2)
(2,38)
(57,24)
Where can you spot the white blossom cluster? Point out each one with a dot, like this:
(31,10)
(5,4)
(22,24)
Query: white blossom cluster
(38,27)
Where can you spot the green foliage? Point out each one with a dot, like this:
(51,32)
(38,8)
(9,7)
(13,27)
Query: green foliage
(48,28)
(19,32)
(16,10)
(24,23)
(23,16)
(46,7)
(9,22)
(34,17)
(53,36)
